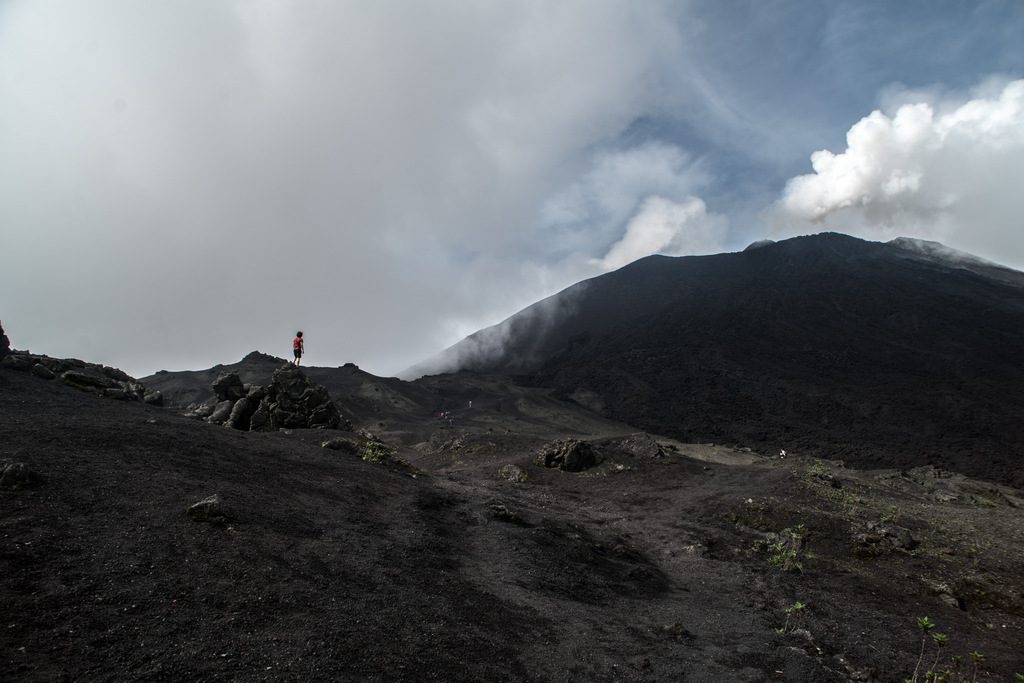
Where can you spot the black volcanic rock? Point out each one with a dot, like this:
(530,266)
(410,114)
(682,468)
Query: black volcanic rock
(229,387)
(5,343)
(294,401)
(897,354)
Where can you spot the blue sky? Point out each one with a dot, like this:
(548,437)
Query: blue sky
(184,182)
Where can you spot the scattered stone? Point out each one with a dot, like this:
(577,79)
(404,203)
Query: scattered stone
(571,455)
(229,387)
(879,537)
(17,476)
(209,510)
(513,473)
(828,478)
(642,445)
(40,370)
(944,592)
(502,513)
(944,496)
(153,398)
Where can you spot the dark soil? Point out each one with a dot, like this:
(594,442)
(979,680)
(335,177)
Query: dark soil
(331,568)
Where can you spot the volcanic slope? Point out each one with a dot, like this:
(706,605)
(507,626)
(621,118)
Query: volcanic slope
(898,354)
(664,561)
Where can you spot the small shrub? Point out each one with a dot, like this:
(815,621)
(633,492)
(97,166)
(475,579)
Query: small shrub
(784,551)
(793,614)
(513,473)
(373,450)
(952,672)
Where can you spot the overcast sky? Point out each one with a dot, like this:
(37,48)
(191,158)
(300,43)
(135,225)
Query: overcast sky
(183,182)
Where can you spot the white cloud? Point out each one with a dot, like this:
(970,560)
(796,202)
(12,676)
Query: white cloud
(183,182)
(934,168)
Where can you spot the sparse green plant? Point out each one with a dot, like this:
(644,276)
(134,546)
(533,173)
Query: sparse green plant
(1019,678)
(375,451)
(956,672)
(924,625)
(940,642)
(977,659)
(819,467)
(891,515)
(784,552)
(793,614)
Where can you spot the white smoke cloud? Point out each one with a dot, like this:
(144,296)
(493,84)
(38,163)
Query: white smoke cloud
(663,226)
(619,189)
(943,170)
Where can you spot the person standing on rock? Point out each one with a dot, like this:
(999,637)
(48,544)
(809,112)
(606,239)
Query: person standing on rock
(298,347)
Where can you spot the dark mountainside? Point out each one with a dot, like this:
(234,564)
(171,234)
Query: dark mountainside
(900,354)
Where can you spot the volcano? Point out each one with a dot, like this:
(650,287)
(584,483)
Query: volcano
(879,354)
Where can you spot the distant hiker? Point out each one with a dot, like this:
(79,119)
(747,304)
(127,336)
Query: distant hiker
(298,347)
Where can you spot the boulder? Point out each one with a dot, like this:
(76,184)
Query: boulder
(16,361)
(153,398)
(571,455)
(260,420)
(209,510)
(201,411)
(40,370)
(16,475)
(86,382)
(241,414)
(642,445)
(229,387)
(221,412)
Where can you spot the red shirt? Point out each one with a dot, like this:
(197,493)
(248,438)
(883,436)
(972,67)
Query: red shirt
(297,343)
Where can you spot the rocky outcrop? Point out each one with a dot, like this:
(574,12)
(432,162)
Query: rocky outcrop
(291,401)
(229,387)
(5,343)
(294,401)
(571,455)
(91,377)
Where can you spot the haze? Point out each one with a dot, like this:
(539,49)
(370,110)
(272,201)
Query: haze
(181,183)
